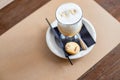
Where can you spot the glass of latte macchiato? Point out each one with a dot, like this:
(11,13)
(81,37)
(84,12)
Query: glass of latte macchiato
(69,18)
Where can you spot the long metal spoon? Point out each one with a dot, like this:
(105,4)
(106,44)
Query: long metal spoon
(60,41)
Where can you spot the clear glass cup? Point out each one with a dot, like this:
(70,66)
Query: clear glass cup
(69,18)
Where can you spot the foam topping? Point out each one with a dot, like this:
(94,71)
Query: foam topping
(68,13)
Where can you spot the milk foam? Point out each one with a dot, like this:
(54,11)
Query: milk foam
(69,13)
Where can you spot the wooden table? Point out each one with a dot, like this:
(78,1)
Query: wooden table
(24,59)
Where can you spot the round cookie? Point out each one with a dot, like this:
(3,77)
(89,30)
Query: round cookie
(72,47)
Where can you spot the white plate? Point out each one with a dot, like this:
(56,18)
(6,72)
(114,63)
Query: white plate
(58,51)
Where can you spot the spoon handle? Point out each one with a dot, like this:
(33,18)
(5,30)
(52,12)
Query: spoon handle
(82,43)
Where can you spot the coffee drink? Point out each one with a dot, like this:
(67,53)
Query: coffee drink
(69,17)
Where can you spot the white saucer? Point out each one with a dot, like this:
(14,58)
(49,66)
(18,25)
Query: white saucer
(58,51)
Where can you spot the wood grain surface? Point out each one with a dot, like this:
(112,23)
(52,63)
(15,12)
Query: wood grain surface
(16,11)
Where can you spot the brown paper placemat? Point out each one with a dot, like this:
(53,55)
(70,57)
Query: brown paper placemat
(24,54)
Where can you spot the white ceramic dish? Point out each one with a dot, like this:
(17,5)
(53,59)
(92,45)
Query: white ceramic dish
(58,51)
